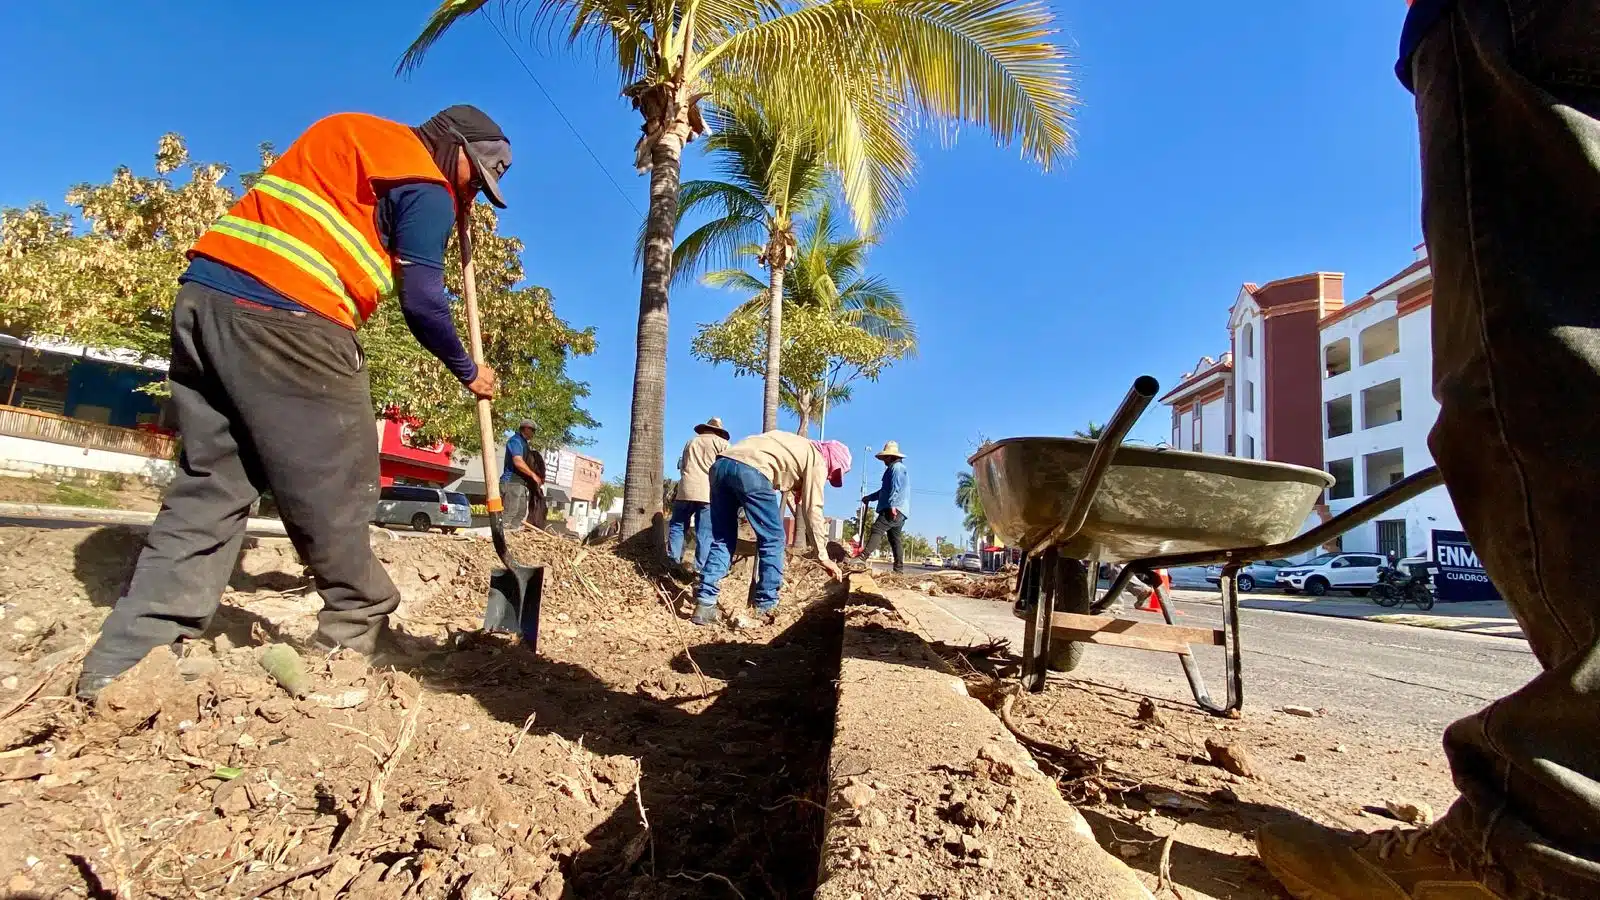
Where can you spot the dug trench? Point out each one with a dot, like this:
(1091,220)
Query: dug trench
(633,756)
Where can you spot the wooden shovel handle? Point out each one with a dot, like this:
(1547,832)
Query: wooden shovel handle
(491,482)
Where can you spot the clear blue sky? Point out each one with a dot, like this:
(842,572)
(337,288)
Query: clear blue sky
(1218,143)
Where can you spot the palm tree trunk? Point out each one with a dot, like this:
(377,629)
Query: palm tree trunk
(641,492)
(769,409)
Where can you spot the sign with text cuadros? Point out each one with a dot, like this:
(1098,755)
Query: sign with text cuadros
(1460,577)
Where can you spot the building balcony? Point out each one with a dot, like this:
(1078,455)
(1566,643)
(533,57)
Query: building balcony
(57,429)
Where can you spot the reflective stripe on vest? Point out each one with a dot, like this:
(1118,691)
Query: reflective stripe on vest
(372,261)
(292,250)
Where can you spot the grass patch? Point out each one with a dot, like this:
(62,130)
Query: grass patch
(76,495)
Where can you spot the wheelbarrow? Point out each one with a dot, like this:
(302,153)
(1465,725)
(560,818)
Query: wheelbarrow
(1072,503)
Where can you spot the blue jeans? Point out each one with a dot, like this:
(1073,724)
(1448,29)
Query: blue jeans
(735,485)
(682,512)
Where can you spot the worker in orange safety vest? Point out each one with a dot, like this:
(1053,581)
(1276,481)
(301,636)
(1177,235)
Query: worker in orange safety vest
(269,381)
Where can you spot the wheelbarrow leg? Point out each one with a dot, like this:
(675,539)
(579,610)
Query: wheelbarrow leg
(1232,660)
(1036,628)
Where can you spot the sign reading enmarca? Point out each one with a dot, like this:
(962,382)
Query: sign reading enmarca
(1460,576)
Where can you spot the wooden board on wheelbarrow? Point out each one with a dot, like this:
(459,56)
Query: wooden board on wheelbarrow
(1131,633)
(1153,502)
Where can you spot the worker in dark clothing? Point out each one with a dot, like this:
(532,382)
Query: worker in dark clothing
(893,498)
(522,480)
(1508,102)
(269,381)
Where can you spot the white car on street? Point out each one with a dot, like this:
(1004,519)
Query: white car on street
(1353,572)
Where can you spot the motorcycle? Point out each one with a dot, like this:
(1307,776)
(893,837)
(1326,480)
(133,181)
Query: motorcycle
(1393,589)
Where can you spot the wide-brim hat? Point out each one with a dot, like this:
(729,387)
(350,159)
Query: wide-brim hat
(713,425)
(891,450)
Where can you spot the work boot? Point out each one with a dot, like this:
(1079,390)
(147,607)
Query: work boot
(1316,863)
(704,614)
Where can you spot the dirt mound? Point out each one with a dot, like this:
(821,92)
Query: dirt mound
(633,756)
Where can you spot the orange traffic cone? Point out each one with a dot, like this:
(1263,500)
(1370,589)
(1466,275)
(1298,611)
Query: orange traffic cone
(1163,589)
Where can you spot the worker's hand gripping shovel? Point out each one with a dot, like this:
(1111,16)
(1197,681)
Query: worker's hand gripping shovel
(514,591)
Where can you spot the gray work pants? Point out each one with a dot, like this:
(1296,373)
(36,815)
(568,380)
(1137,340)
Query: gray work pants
(266,398)
(1508,99)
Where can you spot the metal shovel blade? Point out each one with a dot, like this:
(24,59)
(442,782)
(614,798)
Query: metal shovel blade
(514,598)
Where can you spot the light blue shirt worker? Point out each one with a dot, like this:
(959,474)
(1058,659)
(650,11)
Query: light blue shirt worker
(895,492)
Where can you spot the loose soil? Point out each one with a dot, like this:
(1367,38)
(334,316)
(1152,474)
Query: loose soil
(1144,778)
(633,756)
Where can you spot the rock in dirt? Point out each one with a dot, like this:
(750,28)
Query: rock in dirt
(858,796)
(140,694)
(1149,713)
(1301,711)
(974,814)
(1412,812)
(1174,801)
(1231,757)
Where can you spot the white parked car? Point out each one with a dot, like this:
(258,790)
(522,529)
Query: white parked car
(1353,572)
(969,562)
(1255,575)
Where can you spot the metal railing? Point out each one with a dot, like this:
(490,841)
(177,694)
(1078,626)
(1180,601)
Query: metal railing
(42,426)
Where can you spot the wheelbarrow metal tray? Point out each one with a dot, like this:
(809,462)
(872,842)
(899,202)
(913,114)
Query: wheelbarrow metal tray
(1151,502)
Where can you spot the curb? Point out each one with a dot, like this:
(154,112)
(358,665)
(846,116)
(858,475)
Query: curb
(905,727)
(90,515)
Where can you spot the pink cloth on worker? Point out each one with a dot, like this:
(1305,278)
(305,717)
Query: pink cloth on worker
(837,458)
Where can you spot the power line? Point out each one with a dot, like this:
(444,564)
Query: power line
(570,127)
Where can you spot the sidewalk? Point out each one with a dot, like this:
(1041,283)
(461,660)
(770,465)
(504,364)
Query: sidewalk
(1489,618)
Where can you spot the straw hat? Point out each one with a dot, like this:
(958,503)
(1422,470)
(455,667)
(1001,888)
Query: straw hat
(713,425)
(891,450)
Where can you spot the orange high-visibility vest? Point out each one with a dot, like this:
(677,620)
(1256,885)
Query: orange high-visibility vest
(308,228)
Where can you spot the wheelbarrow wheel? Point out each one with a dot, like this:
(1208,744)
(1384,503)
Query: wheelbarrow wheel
(1066,656)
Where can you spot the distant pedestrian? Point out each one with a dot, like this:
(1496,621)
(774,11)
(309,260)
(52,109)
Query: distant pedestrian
(894,497)
(522,481)
(694,492)
(753,475)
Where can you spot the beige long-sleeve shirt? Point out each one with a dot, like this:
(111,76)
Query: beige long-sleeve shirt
(794,466)
(694,466)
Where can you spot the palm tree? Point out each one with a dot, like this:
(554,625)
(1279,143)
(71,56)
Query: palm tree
(808,405)
(828,272)
(971,503)
(862,74)
(1092,433)
(769,172)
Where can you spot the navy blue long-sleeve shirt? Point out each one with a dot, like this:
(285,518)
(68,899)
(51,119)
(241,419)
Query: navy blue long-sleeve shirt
(415,221)
(1420,19)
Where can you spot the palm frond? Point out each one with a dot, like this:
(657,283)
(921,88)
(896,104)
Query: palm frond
(443,19)
(739,221)
(737,280)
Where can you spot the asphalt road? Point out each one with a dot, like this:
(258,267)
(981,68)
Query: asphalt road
(1409,681)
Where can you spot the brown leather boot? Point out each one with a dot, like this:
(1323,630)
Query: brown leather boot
(1316,863)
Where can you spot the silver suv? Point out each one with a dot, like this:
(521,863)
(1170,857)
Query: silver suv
(423,508)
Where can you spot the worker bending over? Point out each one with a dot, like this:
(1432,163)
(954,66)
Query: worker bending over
(753,475)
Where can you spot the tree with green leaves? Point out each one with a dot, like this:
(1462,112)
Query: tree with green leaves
(105,275)
(1092,432)
(916,547)
(608,492)
(861,74)
(946,549)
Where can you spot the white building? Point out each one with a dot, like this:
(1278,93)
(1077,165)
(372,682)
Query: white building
(1378,407)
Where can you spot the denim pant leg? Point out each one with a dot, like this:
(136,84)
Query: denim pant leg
(682,510)
(727,495)
(1508,95)
(763,507)
(702,534)
(896,548)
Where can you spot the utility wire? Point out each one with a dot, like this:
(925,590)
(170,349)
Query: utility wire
(570,127)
